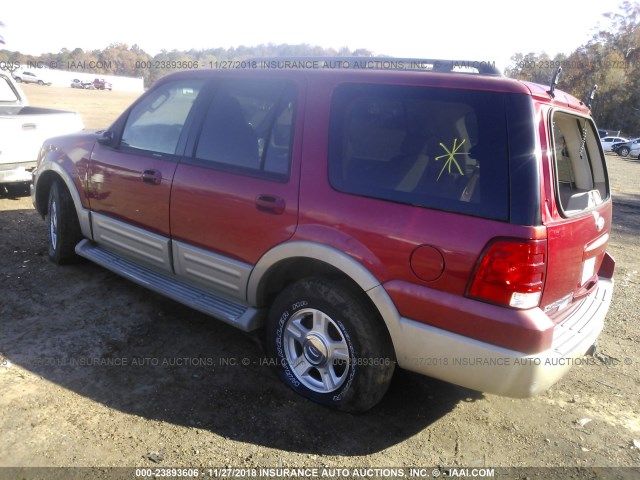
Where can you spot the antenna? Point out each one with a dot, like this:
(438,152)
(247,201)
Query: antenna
(554,82)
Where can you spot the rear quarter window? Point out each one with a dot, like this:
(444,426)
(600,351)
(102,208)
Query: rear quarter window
(430,147)
(581,178)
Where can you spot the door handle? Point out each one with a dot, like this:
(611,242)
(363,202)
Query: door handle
(29,126)
(152,177)
(270,204)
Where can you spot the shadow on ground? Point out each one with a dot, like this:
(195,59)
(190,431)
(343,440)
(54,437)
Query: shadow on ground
(109,340)
(14,191)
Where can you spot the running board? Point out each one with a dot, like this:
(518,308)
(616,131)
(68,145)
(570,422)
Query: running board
(239,315)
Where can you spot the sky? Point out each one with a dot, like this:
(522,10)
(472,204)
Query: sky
(484,30)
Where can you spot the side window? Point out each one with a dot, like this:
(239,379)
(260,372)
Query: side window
(581,181)
(438,148)
(249,128)
(156,122)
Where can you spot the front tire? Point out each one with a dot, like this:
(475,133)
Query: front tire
(329,345)
(64,228)
(623,151)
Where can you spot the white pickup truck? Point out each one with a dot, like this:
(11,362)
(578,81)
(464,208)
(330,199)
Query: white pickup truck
(23,129)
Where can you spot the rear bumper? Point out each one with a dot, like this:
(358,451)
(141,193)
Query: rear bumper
(16,172)
(488,368)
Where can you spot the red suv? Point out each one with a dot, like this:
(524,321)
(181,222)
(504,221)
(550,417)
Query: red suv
(450,222)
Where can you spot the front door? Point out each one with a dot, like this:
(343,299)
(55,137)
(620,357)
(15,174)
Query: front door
(130,179)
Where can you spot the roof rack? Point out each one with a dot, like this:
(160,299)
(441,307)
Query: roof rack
(380,63)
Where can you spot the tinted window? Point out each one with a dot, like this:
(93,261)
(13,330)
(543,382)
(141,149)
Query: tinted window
(248,128)
(438,148)
(581,179)
(155,123)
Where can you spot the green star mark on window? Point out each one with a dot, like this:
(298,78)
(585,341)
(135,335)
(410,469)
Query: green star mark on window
(451,157)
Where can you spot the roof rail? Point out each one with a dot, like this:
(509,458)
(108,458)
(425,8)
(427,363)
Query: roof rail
(380,63)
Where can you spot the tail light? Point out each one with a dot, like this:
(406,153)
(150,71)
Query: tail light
(511,273)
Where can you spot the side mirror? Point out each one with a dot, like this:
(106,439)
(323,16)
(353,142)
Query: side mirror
(106,138)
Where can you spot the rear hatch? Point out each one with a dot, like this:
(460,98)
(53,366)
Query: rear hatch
(579,212)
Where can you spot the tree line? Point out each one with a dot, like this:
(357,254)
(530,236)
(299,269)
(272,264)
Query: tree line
(611,59)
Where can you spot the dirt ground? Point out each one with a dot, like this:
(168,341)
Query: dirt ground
(96,371)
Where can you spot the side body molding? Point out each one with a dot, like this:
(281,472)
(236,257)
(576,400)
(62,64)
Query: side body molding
(133,242)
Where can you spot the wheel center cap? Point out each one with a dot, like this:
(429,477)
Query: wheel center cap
(315,351)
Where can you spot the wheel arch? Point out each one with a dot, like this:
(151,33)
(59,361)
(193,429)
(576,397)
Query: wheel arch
(48,173)
(293,261)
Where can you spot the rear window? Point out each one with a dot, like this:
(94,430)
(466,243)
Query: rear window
(431,147)
(581,178)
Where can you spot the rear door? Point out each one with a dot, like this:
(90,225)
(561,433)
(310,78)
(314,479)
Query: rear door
(580,210)
(235,194)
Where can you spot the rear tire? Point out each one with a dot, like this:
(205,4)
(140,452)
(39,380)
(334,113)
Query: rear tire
(328,345)
(64,228)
